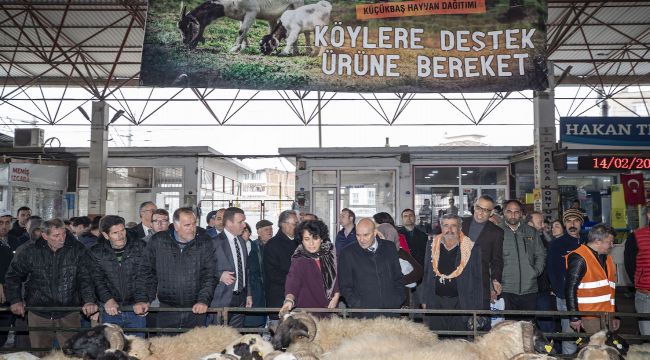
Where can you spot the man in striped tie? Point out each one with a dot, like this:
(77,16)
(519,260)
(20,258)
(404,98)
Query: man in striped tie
(233,289)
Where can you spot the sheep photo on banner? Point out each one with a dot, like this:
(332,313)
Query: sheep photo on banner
(350,46)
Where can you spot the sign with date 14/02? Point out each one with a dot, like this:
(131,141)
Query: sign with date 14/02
(611,162)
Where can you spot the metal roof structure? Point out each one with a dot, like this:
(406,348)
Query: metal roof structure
(96,45)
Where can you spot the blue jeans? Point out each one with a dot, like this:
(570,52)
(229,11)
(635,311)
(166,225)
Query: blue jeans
(569,347)
(127,320)
(642,305)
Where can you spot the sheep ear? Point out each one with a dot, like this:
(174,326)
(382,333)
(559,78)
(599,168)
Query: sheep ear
(183,9)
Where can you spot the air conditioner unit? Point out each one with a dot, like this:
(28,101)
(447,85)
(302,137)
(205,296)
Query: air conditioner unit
(28,138)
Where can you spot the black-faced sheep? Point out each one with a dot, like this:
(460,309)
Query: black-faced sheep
(194,344)
(247,347)
(302,20)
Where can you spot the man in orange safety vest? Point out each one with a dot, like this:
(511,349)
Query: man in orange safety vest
(591,279)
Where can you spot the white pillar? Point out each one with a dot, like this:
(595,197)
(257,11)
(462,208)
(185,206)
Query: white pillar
(98,159)
(544,135)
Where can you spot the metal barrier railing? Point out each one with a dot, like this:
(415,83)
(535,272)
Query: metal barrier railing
(223,315)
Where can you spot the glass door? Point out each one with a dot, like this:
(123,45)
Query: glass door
(471,193)
(324,205)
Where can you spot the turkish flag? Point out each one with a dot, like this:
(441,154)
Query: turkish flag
(633,189)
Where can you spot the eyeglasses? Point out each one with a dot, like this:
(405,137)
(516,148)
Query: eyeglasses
(160,222)
(482,209)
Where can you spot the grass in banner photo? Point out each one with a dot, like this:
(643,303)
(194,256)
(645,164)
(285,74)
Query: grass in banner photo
(215,59)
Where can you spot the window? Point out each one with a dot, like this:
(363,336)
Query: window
(171,177)
(324,177)
(129,177)
(367,192)
(218,183)
(228,186)
(483,176)
(207,181)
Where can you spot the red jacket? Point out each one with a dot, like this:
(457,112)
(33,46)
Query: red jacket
(642,272)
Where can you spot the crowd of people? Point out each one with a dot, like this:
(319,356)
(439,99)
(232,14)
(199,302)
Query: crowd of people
(116,273)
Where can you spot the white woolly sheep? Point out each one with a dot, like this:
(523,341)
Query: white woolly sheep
(329,333)
(639,352)
(194,344)
(501,343)
(302,20)
(23,355)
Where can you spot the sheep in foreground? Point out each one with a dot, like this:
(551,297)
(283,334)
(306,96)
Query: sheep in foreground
(292,23)
(23,355)
(639,352)
(194,344)
(246,347)
(303,333)
(502,343)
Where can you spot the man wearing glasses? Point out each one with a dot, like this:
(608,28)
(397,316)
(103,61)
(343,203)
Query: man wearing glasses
(489,237)
(144,230)
(160,220)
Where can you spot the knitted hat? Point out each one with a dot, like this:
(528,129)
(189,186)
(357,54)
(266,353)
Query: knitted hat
(572,213)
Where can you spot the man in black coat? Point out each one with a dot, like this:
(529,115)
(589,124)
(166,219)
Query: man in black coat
(415,238)
(180,265)
(277,259)
(6,254)
(369,272)
(20,225)
(490,239)
(117,263)
(54,271)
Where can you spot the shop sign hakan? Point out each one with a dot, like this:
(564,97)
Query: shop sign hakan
(605,132)
(349,46)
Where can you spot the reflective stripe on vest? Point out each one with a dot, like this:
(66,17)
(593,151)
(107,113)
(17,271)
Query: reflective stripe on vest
(596,290)
(642,274)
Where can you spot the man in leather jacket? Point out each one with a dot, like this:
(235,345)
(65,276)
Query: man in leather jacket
(180,265)
(593,267)
(116,263)
(55,270)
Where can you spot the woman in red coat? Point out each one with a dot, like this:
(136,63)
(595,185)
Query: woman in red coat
(312,281)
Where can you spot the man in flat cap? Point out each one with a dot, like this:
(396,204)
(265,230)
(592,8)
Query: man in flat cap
(556,265)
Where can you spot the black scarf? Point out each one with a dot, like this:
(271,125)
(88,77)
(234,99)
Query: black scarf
(327,264)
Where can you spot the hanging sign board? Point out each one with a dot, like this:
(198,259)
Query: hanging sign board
(605,133)
(350,46)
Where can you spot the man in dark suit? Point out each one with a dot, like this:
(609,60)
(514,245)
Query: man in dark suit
(144,230)
(233,289)
(490,238)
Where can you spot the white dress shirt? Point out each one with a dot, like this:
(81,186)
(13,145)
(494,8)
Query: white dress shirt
(231,241)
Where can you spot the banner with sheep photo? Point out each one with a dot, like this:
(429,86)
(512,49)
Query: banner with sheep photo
(347,46)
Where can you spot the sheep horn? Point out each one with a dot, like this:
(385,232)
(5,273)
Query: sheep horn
(309,321)
(115,336)
(528,336)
